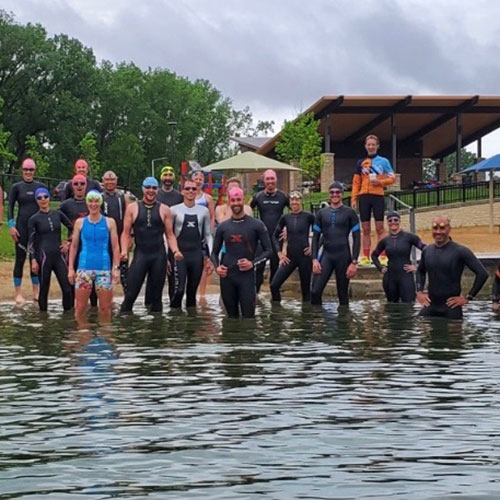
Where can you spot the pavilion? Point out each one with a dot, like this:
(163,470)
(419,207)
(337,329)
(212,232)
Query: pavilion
(410,129)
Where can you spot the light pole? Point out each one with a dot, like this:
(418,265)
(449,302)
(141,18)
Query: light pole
(153,164)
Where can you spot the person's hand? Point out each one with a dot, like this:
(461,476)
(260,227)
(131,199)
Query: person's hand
(283,234)
(410,268)
(308,251)
(64,247)
(221,271)
(316,266)
(423,299)
(34,267)
(354,204)
(124,255)
(244,264)
(457,301)
(14,234)
(495,306)
(284,260)
(209,268)
(115,275)
(351,270)
(169,268)
(71,276)
(178,255)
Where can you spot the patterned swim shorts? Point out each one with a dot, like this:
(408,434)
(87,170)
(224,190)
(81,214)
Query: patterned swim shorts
(85,277)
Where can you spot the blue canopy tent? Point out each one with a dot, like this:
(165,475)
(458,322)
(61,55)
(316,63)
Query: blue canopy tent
(489,165)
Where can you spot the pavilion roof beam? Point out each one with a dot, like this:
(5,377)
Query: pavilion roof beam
(330,108)
(368,127)
(465,106)
(468,139)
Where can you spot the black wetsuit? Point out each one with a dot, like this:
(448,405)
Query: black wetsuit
(240,238)
(68,192)
(150,257)
(192,230)
(496,285)
(44,244)
(270,207)
(114,206)
(23,193)
(298,228)
(444,265)
(334,226)
(169,198)
(398,284)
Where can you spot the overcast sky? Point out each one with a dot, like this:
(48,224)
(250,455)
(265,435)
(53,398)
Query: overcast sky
(279,56)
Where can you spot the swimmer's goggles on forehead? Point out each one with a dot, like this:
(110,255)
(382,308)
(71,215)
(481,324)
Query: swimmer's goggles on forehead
(441,225)
(150,186)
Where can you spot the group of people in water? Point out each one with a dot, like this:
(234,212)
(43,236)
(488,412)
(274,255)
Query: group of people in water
(182,235)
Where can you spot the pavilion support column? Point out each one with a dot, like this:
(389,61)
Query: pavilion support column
(295,177)
(442,172)
(458,162)
(479,149)
(327,170)
(394,142)
(327,137)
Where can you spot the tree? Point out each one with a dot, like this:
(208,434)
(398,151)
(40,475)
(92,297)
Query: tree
(36,151)
(429,166)
(88,150)
(300,141)
(5,154)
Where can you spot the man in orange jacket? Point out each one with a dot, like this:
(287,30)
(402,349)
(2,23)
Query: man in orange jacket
(372,174)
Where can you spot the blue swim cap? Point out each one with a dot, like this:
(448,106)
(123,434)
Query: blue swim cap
(150,181)
(40,191)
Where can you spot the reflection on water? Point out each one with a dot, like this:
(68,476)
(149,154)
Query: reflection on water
(361,402)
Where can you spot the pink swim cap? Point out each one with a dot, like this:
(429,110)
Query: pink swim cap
(270,173)
(235,192)
(81,163)
(28,163)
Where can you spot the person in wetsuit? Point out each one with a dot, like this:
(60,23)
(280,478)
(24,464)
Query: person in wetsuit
(270,203)
(191,224)
(496,290)
(23,194)
(150,220)
(114,205)
(298,226)
(373,173)
(45,247)
(167,194)
(81,168)
(444,262)
(334,223)
(398,280)
(95,268)
(240,235)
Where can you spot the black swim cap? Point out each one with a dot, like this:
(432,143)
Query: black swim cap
(336,185)
(392,214)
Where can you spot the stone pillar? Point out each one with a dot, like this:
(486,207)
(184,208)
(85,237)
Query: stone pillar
(295,177)
(397,185)
(442,172)
(327,170)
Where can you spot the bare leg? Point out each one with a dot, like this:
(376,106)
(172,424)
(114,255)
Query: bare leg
(81,302)
(379,228)
(105,302)
(18,296)
(366,229)
(205,279)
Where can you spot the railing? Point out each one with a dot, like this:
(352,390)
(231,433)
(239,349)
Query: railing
(435,196)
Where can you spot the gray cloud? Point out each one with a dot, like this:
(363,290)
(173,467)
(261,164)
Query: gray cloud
(278,57)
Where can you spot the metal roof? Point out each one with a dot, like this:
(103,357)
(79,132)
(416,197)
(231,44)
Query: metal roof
(430,119)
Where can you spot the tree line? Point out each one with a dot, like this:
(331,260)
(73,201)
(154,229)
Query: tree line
(58,102)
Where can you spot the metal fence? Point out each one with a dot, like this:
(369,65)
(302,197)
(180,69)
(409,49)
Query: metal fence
(435,196)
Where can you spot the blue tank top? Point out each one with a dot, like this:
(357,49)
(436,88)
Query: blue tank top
(202,200)
(94,254)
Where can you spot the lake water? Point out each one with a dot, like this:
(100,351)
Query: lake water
(364,402)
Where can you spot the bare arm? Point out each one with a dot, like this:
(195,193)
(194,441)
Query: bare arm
(115,247)
(211,210)
(73,249)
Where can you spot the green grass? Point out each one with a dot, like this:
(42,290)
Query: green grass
(6,244)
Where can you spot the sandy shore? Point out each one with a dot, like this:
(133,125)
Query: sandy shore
(476,238)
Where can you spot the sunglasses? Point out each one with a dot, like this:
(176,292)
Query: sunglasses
(42,197)
(442,225)
(335,191)
(79,183)
(28,169)
(151,187)
(190,189)
(394,220)
(236,199)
